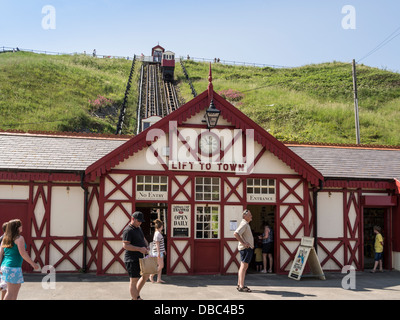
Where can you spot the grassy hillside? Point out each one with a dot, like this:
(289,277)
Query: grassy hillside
(64,93)
(312,103)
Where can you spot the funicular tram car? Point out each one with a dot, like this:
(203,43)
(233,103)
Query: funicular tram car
(167,60)
(168,65)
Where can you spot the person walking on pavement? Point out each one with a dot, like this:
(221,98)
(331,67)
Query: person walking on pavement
(158,250)
(12,254)
(135,245)
(245,237)
(378,249)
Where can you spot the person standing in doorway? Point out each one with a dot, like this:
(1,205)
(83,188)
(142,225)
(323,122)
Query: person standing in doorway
(245,237)
(378,249)
(135,245)
(158,249)
(12,254)
(267,248)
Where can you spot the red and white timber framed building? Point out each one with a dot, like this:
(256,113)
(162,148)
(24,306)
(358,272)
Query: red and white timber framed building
(75,193)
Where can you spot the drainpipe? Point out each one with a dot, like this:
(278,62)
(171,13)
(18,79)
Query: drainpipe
(315,200)
(85,220)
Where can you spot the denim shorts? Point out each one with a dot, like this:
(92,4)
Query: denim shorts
(155,254)
(378,256)
(246,255)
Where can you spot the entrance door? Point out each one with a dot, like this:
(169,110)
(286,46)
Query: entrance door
(262,214)
(376,217)
(10,210)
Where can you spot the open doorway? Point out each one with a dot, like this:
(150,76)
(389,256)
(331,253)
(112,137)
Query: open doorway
(152,211)
(262,214)
(375,217)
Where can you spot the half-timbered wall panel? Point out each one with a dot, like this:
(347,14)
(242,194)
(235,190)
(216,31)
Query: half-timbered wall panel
(293,219)
(92,228)
(39,213)
(231,257)
(180,257)
(67,205)
(330,214)
(339,229)
(114,215)
(234,189)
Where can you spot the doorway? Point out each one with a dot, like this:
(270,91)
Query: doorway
(262,214)
(10,210)
(151,212)
(376,217)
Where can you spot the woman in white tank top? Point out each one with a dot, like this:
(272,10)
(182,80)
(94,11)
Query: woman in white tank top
(158,250)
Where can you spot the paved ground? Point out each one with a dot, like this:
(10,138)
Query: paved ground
(368,286)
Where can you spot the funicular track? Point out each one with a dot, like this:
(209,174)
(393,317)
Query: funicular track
(156,97)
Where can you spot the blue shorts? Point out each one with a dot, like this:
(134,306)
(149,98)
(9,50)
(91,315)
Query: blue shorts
(155,254)
(12,275)
(378,256)
(246,255)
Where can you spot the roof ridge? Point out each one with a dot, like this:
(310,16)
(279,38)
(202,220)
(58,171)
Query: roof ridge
(68,134)
(341,145)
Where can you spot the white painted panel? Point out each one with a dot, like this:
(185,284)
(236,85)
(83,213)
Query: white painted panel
(67,207)
(269,163)
(396,260)
(232,214)
(330,215)
(13,192)
(141,161)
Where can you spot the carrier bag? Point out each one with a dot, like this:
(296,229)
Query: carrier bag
(148,265)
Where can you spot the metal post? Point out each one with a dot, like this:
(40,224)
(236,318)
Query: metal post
(356,103)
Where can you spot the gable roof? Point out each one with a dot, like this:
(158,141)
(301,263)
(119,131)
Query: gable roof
(228,112)
(38,152)
(352,161)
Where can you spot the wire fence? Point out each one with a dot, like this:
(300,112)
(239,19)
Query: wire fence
(145,58)
(235,63)
(93,54)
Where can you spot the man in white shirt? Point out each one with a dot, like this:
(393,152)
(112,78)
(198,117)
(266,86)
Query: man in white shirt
(245,237)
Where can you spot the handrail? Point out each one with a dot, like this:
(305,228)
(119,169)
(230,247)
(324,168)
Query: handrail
(53,53)
(235,63)
(149,58)
(194,93)
(125,102)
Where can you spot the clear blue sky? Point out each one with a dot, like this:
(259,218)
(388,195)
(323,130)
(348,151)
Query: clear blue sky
(286,32)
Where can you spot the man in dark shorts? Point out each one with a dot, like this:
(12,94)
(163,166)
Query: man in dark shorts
(245,240)
(135,245)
